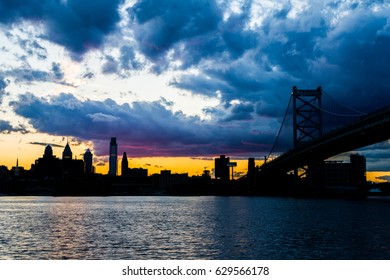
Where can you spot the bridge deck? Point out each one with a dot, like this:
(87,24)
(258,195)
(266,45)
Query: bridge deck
(371,129)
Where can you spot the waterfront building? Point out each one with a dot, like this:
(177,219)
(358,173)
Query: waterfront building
(167,180)
(221,168)
(339,176)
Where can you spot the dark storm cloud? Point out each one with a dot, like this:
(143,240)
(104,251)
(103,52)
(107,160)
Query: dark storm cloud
(377,156)
(241,112)
(339,45)
(76,25)
(160,25)
(144,128)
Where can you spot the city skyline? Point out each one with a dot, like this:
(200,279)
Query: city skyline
(180,83)
(188,164)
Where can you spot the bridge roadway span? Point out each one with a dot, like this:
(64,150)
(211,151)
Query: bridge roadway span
(370,129)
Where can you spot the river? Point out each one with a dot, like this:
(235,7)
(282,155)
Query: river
(206,227)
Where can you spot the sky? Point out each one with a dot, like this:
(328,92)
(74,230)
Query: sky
(181,82)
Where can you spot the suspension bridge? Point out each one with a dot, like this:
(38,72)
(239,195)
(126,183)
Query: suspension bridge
(322,128)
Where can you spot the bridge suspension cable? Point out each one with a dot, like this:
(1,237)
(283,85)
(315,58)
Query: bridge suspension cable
(342,105)
(334,115)
(280,129)
(339,115)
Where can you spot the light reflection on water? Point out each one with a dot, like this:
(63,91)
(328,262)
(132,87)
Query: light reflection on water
(193,228)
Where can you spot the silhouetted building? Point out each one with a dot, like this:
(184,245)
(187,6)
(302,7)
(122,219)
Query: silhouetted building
(17,171)
(358,171)
(251,175)
(125,165)
(67,153)
(167,180)
(3,171)
(137,172)
(206,174)
(113,160)
(48,152)
(70,167)
(133,174)
(88,160)
(221,168)
(47,166)
(338,175)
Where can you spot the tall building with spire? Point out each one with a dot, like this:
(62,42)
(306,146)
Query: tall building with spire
(67,153)
(70,167)
(17,172)
(125,165)
(113,160)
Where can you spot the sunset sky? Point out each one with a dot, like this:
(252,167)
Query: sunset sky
(181,82)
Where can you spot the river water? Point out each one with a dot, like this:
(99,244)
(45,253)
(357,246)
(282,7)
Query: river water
(160,227)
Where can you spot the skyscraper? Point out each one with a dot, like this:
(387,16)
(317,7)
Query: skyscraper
(88,168)
(67,153)
(113,161)
(125,164)
(221,168)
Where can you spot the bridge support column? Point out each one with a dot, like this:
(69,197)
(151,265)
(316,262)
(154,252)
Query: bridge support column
(307,118)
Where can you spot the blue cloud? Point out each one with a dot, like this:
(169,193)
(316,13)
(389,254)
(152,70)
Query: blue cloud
(56,70)
(3,84)
(155,130)
(5,127)
(159,26)
(347,55)
(76,25)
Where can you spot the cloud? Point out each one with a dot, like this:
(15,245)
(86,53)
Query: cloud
(76,25)
(159,27)
(241,112)
(3,84)
(128,59)
(33,48)
(45,144)
(110,66)
(28,74)
(56,70)
(100,117)
(5,127)
(339,45)
(142,128)
(386,178)
(245,54)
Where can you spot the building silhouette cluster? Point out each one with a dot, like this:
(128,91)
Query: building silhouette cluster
(50,175)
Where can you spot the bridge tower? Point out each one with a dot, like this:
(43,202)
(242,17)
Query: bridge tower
(307,120)
(307,115)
